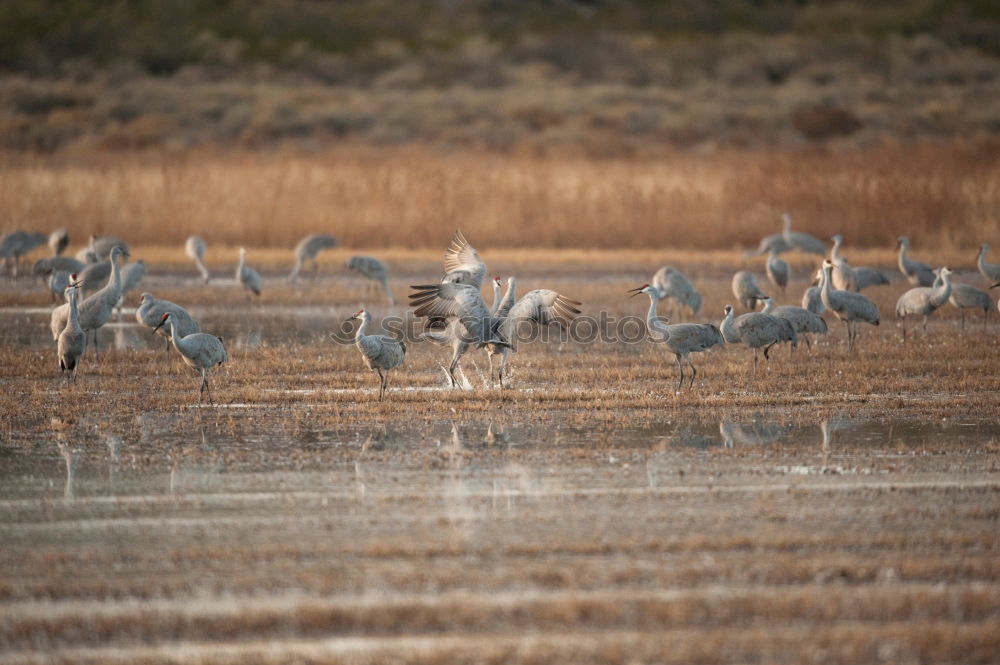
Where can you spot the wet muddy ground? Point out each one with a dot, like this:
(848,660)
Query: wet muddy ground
(840,508)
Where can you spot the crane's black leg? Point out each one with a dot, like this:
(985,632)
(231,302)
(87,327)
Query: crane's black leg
(381,384)
(680,368)
(694,373)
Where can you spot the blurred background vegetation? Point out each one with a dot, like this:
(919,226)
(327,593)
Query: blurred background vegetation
(603,78)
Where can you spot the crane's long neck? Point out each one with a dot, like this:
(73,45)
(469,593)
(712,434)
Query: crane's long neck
(508,300)
(835,250)
(360,333)
(656,327)
(726,326)
(904,258)
(985,267)
(116,277)
(786,222)
(73,322)
(824,287)
(768,306)
(943,291)
(496,298)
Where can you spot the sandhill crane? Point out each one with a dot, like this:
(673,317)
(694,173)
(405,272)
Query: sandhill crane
(194,247)
(812,301)
(671,283)
(847,306)
(380,353)
(307,250)
(756,330)
(964,296)
(541,306)
(86,256)
(96,309)
(101,246)
(777,270)
(924,300)
(803,321)
(247,276)
(746,290)
(17,244)
(991,271)
(45,265)
(58,241)
(200,351)
(917,272)
(472,322)
(373,269)
(150,313)
(497,298)
(865,276)
(803,242)
(682,339)
(72,340)
(843,274)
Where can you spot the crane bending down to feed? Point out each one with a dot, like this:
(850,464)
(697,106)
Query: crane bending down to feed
(811,299)
(375,270)
(682,339)
(777,270)
(541,306)
(307,250)
(380,353)
(746,290)
(671,283)
(925,300)
(194,247)
(847,306)
(803,321)
(72,340)
(917,272)
(756,330)
(200,351)
(150,313)
(247,276)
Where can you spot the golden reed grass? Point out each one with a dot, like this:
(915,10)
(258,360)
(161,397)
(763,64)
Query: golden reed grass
(940,195)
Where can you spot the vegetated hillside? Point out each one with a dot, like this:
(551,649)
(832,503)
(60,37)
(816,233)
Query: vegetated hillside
(603,78)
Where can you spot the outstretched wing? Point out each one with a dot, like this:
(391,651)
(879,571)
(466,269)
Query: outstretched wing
(462,264)
(448,300)
(545,306)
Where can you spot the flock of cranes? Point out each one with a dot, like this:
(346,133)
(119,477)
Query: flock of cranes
(456,315)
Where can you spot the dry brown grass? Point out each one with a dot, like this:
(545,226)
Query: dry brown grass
(939,195)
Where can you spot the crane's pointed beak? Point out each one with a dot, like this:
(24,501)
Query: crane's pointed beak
(635,292)
(158,326)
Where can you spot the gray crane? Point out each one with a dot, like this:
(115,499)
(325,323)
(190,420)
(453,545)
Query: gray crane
(307,250)
(150,313)
(848,306)
(247,276)
(916,272)
(375,270)
(380,353)
(964,296)
(96,309)
(541,306)
(58,281)
(94,276)
(925,300)
(72,341)
(804,242)
(16,244)
(777,270)
(746,290)
(756,330)
(462,264)
(672,284)
(471,320)
(194,247)
(804,322)
(47,264)
(991,271)
(101,246)
(682,339)
(58,241)
(200,351)
(865,276)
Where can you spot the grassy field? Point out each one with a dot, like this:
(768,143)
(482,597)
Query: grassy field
(942,196)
